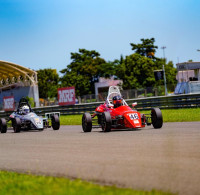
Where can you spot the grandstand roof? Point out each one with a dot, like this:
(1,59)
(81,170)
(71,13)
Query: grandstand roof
(13,74)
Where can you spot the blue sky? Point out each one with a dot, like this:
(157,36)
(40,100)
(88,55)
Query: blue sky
(42,33)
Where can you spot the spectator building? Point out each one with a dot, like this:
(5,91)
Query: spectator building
(17,81)
(188,77)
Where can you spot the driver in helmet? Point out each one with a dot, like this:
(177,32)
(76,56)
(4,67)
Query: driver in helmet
(25,109)
(117,101)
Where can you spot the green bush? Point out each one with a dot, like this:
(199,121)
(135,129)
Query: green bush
(30,101)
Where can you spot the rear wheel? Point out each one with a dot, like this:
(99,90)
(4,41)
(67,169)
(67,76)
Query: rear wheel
(156,118)
(17,125)
(106,122)
(3,125)
(55,122)
(87,122)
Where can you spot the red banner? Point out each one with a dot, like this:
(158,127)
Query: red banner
(9,103)
(66,96)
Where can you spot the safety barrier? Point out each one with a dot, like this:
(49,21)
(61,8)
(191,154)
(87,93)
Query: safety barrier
(163,102)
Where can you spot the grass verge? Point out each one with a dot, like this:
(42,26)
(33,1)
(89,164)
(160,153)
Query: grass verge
(16,183)
(169,115)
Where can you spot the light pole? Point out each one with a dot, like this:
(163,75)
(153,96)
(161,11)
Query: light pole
(163,48)
(165,82)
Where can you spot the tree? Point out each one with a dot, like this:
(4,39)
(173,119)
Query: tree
(84,70)
(146,48)
(48,83)
(136,71)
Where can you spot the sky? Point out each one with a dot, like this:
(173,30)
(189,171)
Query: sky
(41,34)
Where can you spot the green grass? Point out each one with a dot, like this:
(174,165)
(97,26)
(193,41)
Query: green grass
(180,115)
(71,119)
(15,183)
(169,115)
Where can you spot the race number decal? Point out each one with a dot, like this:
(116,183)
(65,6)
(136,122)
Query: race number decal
(133,116)
(38,121)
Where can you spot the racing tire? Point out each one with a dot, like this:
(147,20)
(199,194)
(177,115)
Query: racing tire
(55,122)
(87,122)
(106,122)
(3,125)
(16,125)
(156,118)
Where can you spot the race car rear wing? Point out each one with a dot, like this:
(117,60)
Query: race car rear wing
(50,114)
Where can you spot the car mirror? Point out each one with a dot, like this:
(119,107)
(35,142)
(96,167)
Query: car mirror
(134,104)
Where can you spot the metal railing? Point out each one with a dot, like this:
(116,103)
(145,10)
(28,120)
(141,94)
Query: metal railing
(127,94)
(163,102)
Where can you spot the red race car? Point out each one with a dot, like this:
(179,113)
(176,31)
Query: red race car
(116,114)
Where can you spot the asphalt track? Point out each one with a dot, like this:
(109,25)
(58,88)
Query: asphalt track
(167,159)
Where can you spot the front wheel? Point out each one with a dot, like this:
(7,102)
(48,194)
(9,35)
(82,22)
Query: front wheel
(87,122)
(106,122)
(156,118)
(55,122)
(17,125)
(3,125)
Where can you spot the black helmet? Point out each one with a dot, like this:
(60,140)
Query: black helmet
(117,101)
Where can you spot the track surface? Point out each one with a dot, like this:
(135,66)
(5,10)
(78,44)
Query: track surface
(166,159)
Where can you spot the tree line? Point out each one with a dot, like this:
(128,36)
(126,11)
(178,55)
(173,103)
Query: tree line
(86,67)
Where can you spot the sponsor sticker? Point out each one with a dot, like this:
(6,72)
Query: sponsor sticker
(136,121)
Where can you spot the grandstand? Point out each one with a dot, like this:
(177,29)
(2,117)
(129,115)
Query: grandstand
(17,81)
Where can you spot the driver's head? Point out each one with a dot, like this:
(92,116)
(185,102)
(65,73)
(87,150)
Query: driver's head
(25,109)
(117,101)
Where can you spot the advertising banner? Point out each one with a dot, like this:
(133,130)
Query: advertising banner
(66,96)
(9,103)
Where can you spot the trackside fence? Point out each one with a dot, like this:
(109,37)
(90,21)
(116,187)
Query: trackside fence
(162,102)
(127,94)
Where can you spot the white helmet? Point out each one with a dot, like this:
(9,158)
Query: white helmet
(25,109)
